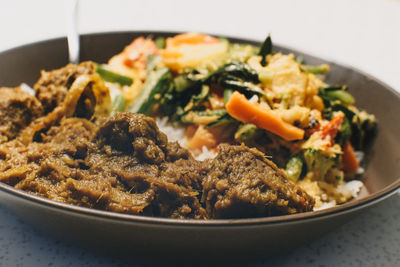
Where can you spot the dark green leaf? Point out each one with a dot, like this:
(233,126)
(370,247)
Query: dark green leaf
(156,85)
(266,49)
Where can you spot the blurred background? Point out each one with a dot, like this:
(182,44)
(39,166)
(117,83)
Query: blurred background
(364,34)
(361,33)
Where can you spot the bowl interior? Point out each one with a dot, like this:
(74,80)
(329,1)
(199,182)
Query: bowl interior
(23,64)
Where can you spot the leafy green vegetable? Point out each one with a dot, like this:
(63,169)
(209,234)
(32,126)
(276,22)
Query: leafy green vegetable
(197,100)
(234,70)
(112,77)
(358,127)
(315,69)
(236,76)
(118,104)
(178,96)
(157,83)
(266,49)
(294,168)
(318,163)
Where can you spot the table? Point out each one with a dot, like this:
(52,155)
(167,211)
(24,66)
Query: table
(371,239)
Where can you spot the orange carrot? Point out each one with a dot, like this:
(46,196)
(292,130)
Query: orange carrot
(241,109)
(202,137)
(332,127)
(138,50)
(349,159)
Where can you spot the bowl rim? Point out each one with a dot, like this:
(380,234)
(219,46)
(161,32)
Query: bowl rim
(350,206)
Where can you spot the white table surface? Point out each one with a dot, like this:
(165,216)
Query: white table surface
(361,33)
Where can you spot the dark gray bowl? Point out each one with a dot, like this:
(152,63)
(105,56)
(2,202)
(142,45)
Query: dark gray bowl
(138,237)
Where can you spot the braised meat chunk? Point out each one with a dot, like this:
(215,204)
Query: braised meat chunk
(17,109)
(52,87)
(242,183)
(131,148)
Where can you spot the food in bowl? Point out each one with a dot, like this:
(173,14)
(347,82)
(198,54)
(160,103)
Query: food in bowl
(259,133)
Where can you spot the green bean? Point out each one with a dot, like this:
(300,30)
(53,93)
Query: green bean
(118,104)
(113,77)
(315,69)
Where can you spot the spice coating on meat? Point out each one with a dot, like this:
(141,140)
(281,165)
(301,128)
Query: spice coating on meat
(132,148)
(105,167)
(17,109)
(242,183)
(52,87)
(55,146)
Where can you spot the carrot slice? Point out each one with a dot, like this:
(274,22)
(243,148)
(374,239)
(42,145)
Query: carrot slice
(349,159)
(138,50)
(243,110)
(202,137)
(333,126)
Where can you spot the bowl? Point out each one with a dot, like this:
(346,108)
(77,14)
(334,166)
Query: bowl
(140,237)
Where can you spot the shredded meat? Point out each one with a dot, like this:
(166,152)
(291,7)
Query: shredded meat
(17,110)
(243,183)
(56,146)
(52,87)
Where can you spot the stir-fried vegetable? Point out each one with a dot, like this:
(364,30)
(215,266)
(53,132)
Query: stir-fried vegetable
(247,132)
(203,117)
(349,160)
(113,77)
(237,76)
(243,110)
(118,104)
(239,93)
(318,163)
(265,50)
(358,126)
(334,93)
(294,168)
(315,69)
(197,100)
(157,83)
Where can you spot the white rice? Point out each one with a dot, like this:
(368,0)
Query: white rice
(177,134)
(351,188)
(205,154)
(26,88)
(174,134)
(326,205)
